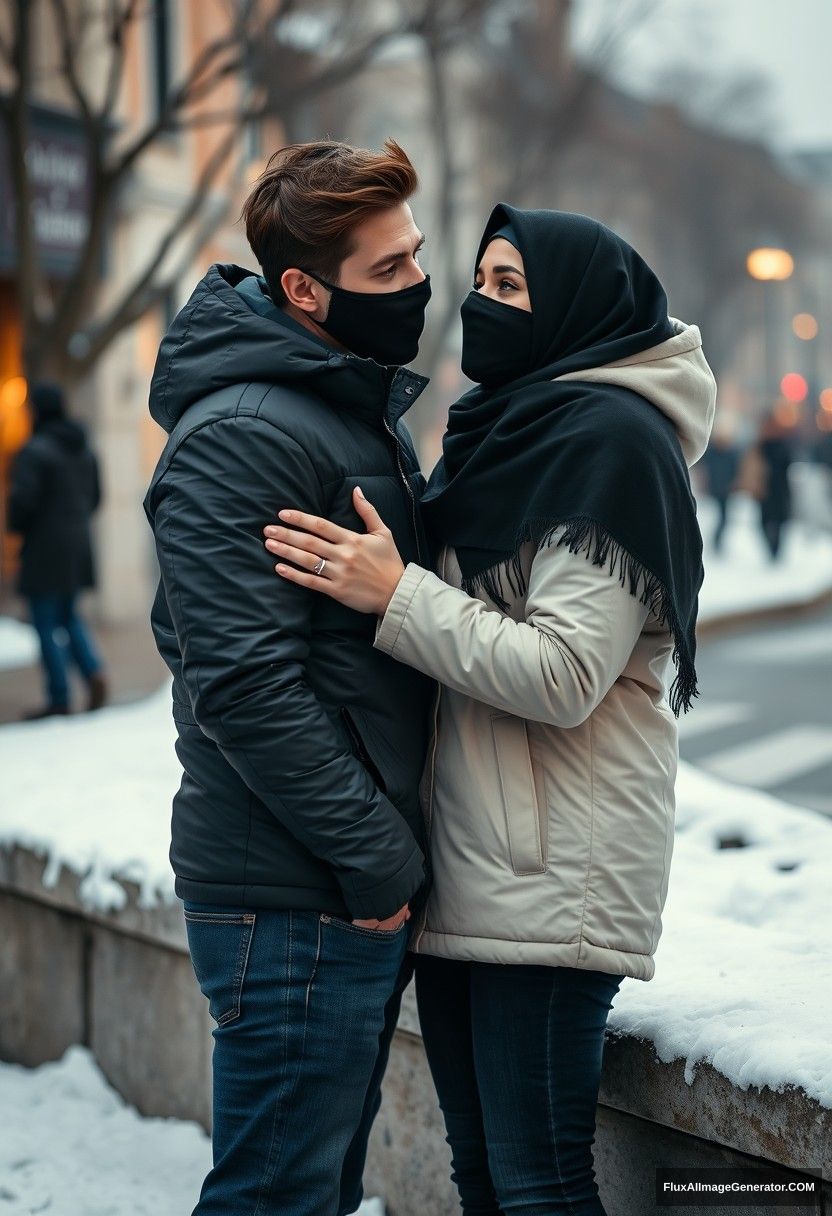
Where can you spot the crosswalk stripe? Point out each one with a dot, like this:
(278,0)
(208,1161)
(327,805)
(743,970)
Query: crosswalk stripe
(793,646)
(772,759)
(712,716)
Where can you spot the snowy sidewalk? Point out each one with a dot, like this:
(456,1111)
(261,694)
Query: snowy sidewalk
(18,644)
(743,579)
(74,1148)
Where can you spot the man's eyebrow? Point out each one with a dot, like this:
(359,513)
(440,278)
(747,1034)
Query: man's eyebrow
(397,257)
(503,270)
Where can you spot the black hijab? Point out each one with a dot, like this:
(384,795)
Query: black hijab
(529,457)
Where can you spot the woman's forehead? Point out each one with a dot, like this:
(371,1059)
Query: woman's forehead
(499,250)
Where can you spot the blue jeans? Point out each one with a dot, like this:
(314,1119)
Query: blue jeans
(50,613)
(515,1052)
(305,1007)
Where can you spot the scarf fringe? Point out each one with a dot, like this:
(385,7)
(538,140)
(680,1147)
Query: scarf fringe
(583,534)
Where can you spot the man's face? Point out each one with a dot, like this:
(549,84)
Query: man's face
(385,254)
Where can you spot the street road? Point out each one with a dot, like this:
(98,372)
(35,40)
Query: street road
(764,716)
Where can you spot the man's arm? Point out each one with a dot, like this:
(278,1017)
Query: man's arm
(244,639)
(26,489)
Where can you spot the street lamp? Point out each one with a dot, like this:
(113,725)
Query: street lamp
(769,265)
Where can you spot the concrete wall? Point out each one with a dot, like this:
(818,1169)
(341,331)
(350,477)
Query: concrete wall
(122,984)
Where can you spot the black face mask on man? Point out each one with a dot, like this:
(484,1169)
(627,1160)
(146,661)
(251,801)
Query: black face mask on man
(385,326)
(496,340)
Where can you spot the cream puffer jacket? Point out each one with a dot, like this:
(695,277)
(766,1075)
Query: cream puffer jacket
(549,789)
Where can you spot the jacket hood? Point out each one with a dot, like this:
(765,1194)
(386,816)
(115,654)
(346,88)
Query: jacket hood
(70,434)
(218,340)
(674,376)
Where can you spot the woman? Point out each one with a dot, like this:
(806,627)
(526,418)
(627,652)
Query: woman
(568,574)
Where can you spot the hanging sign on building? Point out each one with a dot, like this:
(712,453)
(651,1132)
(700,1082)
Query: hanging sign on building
(58,166)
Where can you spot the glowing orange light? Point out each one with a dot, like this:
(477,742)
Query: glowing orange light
(794,387)
(769,264)
(826,400)
(13,393)
(824,421)
(15,423)
(805,326)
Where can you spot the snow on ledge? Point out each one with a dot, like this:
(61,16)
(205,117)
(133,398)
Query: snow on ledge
(743,970)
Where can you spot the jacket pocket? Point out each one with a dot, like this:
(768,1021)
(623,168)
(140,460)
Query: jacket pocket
(520,802)
(361,750)
(219,944)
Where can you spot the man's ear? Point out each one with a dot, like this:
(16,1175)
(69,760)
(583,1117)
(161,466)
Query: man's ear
(305,293)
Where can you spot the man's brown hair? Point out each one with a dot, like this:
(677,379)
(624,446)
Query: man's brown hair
(304,207)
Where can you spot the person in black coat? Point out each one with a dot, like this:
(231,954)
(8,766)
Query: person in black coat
(55,489)
(721,462)
(298,840)
(776,504)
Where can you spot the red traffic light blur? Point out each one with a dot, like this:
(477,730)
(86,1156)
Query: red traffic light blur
(794,387)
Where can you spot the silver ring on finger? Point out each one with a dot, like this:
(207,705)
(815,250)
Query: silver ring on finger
(319,567)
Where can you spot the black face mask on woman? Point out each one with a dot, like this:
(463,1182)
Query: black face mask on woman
(496,340)
(385,326)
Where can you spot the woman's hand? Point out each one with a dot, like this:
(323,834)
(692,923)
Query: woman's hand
(359,571)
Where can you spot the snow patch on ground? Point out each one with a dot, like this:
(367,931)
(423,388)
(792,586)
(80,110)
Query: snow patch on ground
(743,971)
(743,577)
(18,644)
(72,1146)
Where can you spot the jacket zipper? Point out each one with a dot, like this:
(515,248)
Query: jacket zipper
(407,485)
(431,771)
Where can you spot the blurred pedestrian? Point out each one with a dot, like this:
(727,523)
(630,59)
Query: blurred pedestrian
(721,461)
(775,449)
(54,492)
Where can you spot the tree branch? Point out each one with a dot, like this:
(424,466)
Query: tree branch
(69,57)
(142,292)
(120,19)
(31,288)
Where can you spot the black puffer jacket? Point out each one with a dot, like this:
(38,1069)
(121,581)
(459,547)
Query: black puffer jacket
(301,745)
(54,491)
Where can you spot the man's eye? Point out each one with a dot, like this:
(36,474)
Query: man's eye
(388,274)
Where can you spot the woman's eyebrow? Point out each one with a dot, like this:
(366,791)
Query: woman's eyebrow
(501,270)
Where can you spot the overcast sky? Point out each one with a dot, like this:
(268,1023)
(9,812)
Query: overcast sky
(787,41)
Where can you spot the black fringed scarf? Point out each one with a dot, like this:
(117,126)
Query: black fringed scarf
(522,461)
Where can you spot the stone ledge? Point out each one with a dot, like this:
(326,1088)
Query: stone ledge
(788,1128)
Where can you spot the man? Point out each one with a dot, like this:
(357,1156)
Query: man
(54,492)
(298,841)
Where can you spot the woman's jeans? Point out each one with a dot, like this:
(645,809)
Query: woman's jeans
(515,1053)
(305,1007)
(50,613)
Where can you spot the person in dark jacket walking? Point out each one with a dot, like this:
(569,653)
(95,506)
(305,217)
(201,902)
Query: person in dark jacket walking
(298,840)
(55,489)
(776,502)
(721,463)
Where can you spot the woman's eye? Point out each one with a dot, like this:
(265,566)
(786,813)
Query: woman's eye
(507,283)
(478,286)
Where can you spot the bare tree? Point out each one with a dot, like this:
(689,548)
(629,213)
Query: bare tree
(282,52)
